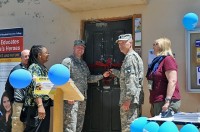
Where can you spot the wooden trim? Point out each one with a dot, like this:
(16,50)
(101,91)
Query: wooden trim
(133,30)
(109,19)
(82,27)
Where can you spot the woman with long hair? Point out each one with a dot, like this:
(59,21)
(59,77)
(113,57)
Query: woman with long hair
(38,118)
(6,109)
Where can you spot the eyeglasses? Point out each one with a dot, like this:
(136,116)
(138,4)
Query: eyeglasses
(154,44)
(45,53)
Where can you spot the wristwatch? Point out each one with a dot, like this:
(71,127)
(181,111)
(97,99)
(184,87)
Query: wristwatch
(167,99)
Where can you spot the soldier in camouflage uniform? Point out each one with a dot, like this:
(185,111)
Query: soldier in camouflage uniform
(131,82)
(74,111)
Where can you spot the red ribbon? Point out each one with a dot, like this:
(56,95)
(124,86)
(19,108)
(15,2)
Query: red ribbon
(107,65)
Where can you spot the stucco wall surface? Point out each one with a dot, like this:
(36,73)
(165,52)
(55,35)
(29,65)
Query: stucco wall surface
(46,23)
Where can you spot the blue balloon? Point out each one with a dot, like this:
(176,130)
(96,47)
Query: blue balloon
(20,78)
(168,126)
(190,21)
(189,128)
(151,127)
(59,74)
(138,124)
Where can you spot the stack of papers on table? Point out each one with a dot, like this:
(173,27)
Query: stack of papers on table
(158,118)
(186,116)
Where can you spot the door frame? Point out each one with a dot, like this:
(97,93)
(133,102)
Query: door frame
(133,17)
(138,49)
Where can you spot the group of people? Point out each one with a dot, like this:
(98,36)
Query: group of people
(37,106)
(161,76)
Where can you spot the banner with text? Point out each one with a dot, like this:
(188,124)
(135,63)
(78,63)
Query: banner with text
(11,45)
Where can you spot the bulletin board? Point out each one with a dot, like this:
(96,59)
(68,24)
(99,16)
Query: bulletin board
(137,33)
(193,60)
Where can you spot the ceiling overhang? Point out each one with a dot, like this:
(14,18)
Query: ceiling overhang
(87,5)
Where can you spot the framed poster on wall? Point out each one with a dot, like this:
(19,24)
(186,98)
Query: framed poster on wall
(11,45)
(137,33)
(193,61)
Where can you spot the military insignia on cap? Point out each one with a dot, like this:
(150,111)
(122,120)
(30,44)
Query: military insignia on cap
(79,42)
(124,37)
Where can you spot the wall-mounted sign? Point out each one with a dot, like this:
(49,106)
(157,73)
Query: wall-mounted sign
(193,60)
(197,43)
(198,75)
(138,32)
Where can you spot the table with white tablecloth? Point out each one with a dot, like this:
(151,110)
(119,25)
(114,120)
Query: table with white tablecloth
(180,121)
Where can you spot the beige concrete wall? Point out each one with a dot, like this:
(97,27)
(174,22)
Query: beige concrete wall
(159,18)
(48,24)
(44,23)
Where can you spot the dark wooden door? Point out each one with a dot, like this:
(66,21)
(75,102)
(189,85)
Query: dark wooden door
(102,53)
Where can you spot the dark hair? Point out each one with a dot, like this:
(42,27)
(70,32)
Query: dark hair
(5,94)
(33,57)
(5,122)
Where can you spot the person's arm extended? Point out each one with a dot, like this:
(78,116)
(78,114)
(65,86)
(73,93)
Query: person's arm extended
(172,80)
(115,72)
(95,78)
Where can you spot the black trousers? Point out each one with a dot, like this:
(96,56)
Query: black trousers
(34,124)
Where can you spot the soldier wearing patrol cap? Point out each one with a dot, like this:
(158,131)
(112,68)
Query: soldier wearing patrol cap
(74,111)
(79,42)
(131,82)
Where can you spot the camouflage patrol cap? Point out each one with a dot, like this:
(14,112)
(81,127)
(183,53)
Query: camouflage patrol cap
(79,42)
(124,37)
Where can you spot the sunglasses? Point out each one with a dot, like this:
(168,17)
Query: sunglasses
(155,44)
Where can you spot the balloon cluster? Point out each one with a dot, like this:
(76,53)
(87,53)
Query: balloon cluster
(190,21)
(142,124)
(58,74)
(138,124)
(189,128)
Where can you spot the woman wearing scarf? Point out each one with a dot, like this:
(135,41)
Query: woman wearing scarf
(163,79)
